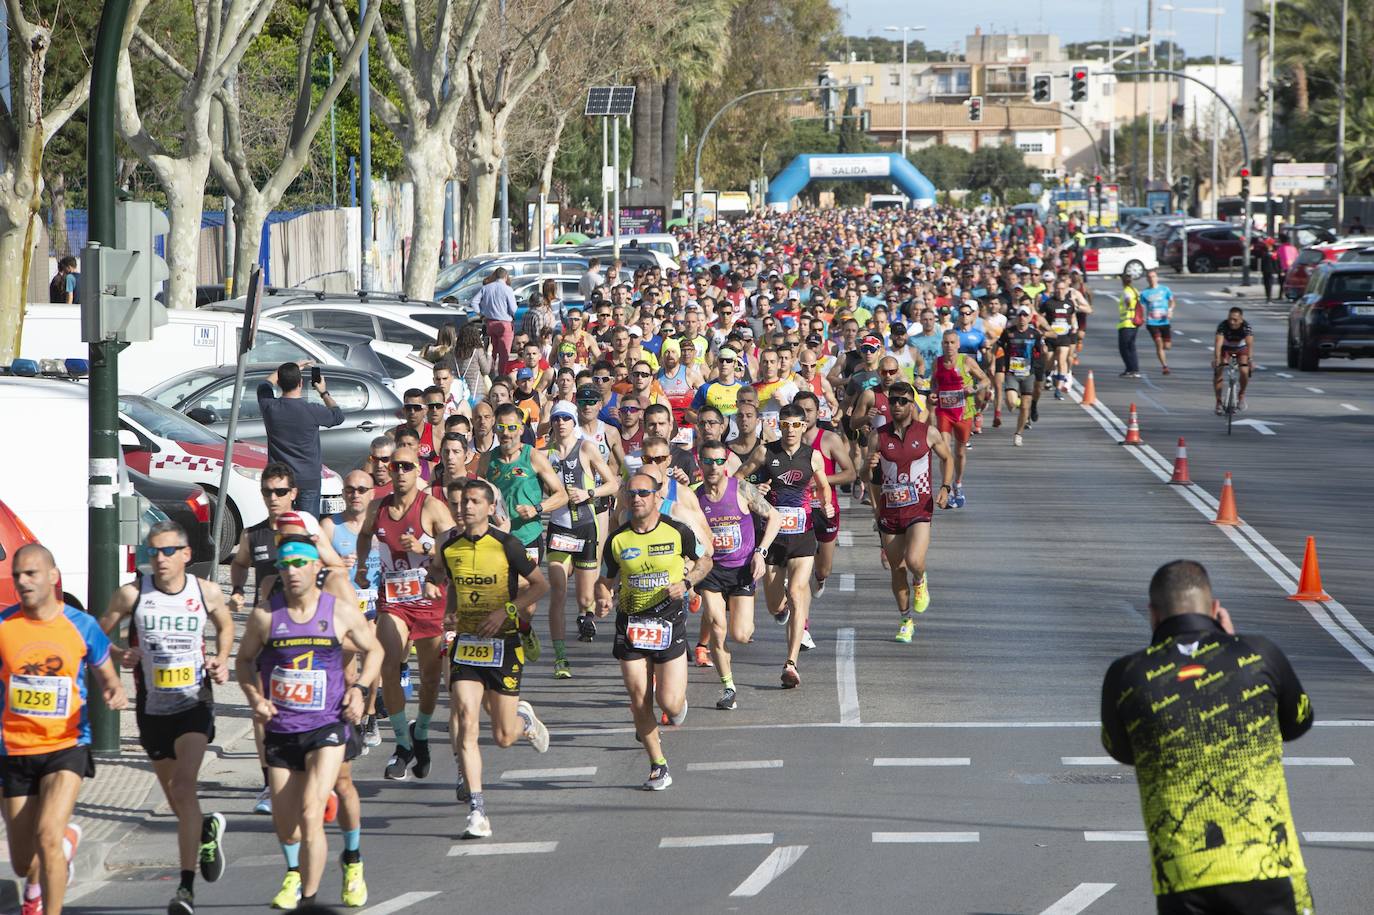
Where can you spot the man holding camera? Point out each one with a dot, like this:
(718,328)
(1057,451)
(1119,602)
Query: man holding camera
(293,428)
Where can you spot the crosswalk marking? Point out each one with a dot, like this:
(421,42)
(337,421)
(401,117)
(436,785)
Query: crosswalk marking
(482,849)
(1082,896)
(399,904)
(772,868)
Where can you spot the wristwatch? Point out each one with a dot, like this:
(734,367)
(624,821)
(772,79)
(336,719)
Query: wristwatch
(761,550)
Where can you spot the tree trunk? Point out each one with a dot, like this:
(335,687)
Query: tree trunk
(13,289)
(671,93)
(250,214)
(183,180)
(551,154)
(654,103)
(431,161)
(1300,88)
(483,174)
(57,215)
(643,157)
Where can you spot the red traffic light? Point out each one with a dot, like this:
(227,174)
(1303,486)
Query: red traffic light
(1080,73)
(1097,178)
(1245,173)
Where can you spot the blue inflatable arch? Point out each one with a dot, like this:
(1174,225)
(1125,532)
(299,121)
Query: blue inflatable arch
(850,167)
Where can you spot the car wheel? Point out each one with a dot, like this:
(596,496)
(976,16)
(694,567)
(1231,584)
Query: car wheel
(1202,264)
(230,528)
(1308,359)
(1135,269)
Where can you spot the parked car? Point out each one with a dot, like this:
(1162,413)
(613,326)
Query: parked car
(368,405)
(1334,317)
(462,279)
(187,505)
(1115,254)
(414,324)
(352,349)
(1308,259)
(1210,248)
(662,242)
(1303,234)
(1357,256)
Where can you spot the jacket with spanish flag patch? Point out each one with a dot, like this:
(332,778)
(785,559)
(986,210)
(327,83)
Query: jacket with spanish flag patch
(1202,716)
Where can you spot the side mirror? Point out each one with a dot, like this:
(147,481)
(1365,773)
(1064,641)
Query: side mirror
(203,415)
(129,441)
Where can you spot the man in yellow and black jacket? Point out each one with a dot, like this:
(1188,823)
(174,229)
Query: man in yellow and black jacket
(1202,714)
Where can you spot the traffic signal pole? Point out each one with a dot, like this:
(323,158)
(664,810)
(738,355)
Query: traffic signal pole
(102,556)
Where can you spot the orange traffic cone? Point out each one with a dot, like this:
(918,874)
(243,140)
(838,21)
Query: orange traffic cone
(1310,582)
(1133,430)
(1180,476)
(1089,391)
(1226,508)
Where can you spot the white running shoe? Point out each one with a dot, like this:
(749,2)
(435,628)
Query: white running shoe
(1016,440)
(479,827)
(264,804)
(807,643)
(535,732)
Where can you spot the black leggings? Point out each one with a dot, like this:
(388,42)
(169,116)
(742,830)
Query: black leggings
(1255,897)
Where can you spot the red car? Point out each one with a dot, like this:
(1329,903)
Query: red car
(1313,256)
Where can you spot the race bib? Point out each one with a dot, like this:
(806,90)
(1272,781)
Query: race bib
(684,437)
(649,581)
(649,635)
(952,400)
(1019,365)
(367,600)
(404,586)
(1159,312)
(1060,326)
(301,690)
(770,421)
(176,672)
(566,543)
(532,554)
(40,697)
(793,519)
(726,538)
(479,652)
(900,495)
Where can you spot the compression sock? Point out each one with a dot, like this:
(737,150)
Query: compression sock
(560,650)
(293,855)
(477,802)
(353,840)
(727,682)
(422,725)
(188,881)
(401,729)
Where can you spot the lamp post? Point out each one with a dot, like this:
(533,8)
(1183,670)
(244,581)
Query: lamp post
(904,29)
(1218,12)
(1269,146)
(1150,98)
(1110,48)
(1169,121)
(1340,120)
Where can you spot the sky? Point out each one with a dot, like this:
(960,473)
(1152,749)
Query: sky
(1072,20)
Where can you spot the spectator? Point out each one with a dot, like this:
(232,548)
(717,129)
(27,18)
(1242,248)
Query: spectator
(471,360)
(496,304)
(590,280)
(293,429)
(63,288)
(539,317)
(443,345)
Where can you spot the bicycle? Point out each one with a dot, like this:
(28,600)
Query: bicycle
(1230,389)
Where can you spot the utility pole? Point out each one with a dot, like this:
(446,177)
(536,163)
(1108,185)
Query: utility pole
(365,278)
(1269,103)
(1150,99)
(1173,94)
(505,174)
(1340,119)
(615,203)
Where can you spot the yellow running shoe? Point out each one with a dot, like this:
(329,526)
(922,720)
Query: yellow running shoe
(905,631)
(354,886)
(920,596)
(289,896)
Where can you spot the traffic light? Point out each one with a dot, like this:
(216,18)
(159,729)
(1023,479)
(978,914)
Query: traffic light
(1078,84)
(975,109)
(1042,89)
(1245,182)
(1097,185)
(1183,189)
(119,285)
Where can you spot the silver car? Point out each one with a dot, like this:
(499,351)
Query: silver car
(369,407)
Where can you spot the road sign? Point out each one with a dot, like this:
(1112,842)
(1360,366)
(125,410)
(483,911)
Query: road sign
(1304,169)
(1287,184)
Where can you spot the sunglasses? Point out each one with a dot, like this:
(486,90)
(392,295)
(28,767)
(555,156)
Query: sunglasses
(714,462)
(168,551)
(402,466)
(508,427)
(869,350)
(412,407)
(562,418)
(435,406)
(900,401)
(293,562)
(601,379)
(642,493)
(642,374)
(658,459)
(888,373)
(791,424)
(277,491)
(356,490)
(631,409)
(588,403)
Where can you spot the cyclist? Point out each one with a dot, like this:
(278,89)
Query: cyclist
(1159,315)
(1234,339)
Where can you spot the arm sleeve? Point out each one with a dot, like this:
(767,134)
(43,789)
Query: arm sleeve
(1295,708)
(1114,737)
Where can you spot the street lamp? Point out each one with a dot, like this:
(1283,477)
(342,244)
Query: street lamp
(1269,102)
(1218,12)
(904,29)
(1110,48)
(1340,121)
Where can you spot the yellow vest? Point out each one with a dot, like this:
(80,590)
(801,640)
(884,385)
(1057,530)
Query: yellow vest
(1129,298)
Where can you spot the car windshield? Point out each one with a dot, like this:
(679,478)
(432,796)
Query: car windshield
(1350,287)
(164,422)
(171,393)
(455,272)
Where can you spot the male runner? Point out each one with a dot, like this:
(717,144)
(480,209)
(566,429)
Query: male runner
(733,508)
(839,471)
(954,383)
(46,647)
(649,563)
(1159,316)
(485,567)
(174,699)
(898,461)
(1022,348)
(291,668)
(341,530)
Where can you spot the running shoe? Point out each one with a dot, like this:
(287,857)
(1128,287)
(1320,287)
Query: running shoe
(905,631)
(817,587)
(791,679)
(71,838)
(183,903)
(479,827)
(372,735)
(807,643)
(461,789)
(920,595)
(1240,405)
(354,893)
(782,618)
(396,767)
(958,501)
(1219,410)
(978,424)
(32,906)
(702,655)
(1058,394)
(289,896)
(561,669)
(535,732)
(659,778)
(420,747)
(1165,370)
(1035,412)
(997,420)
(693,601)
(586,628)
(1016,440)
(727,702)
(264,802)
(331,807)
(212,858)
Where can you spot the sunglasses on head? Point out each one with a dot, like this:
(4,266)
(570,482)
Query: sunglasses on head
(277,491)
(508,427)
(714,462)
(293,562)
(356,490)
(414,406)
(402,466)
(168,551)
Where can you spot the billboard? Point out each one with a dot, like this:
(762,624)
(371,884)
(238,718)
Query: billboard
(850,166)
(641,220)
(710,204)
(550,223)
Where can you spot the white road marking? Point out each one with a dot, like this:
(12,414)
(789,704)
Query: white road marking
(1261,368)
(1082,896)
(773,867)
(846,680)
(845,502)
(847,581)
(1351,407)
(736,764)
(1259,425)
(931,761)
(845,538)
(1284,375)
(1194,340)
(753,838)
(535,775)
(479,849)
(1338,837)
(1088,761)
(916,725)
(399,904)
(1114,836)
(1318,761)
(1315,390)
(923,838)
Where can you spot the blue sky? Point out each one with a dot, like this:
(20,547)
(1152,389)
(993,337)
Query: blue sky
(1072,20)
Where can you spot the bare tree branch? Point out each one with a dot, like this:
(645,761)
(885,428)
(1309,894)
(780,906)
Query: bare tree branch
(162,55)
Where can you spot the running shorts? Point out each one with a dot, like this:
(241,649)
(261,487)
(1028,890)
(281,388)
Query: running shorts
(288,751)
(576,544)
(791,546)
(728,583)
(22,775)
(827,529)
(1163,332)
(503,678)
(423,622)
(961,429)
(158,734)
(632,645)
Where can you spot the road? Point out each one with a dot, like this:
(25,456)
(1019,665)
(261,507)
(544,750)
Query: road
(961,773)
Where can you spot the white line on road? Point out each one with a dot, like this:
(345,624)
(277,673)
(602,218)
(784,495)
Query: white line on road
(847,581)
(1284,375)
(1083,895)
(931,761)
(751,838)
(1194,340)
(1318,761)
(535,775)
(399,904)
(1261,368)
(479,850)
(1126,835)
(1338,837)
(1088,761)
(1315,390)
(1351,407)
(923,838)
(846,680)
(845,538)
(772,868)
(906,725)
(736,764)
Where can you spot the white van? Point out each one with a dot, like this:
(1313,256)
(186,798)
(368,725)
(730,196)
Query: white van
(189,340)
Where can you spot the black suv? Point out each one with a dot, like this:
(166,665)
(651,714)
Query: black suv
(1334,317)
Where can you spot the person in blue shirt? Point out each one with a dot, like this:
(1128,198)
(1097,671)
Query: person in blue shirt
(1159,315)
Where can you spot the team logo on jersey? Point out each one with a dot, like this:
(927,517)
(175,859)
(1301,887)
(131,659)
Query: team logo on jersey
(790,477)
(1187,649)
(1191,671)
(630,552)
(518,472)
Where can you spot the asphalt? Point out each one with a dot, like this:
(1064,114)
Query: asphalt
(961,773)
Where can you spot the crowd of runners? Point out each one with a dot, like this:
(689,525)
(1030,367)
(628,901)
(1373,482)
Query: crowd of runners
(651,459)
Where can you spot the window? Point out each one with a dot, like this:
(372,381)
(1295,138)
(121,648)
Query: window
(868,80)
(1031,147)
(220,398)
(178,389)
(436,318)
(349,393)
(395,368)
(1351,287)
(272,347)
(294,318)
(396,332)
(167,423)
(894,78)
(354,322)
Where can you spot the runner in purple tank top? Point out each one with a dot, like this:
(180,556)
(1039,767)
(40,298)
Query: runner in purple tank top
(291,667)
(743,526)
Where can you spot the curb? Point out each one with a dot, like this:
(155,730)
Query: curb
(88,865)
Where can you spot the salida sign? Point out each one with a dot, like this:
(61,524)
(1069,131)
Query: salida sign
(850,167)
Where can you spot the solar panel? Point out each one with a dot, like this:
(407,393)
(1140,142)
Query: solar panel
(598,100)
(606,101)
(622,99)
